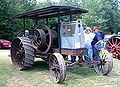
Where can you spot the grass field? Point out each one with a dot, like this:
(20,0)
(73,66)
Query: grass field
(38,76)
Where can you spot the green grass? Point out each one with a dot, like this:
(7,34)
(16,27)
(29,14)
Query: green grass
(38,76)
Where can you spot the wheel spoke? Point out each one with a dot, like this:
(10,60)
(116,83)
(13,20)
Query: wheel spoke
(104,56)
(55,65)
(39,41)
(118,53)
(105,65)
(46,44)
(108,47)
(116,41)
(57,75)
(52,68)
(118,44)
(110,43)
(47,34)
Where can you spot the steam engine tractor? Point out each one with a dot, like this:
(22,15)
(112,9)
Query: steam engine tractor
(51,43)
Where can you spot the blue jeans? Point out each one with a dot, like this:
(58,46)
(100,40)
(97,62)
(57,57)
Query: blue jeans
(73,59)
(89,54)
(94,52)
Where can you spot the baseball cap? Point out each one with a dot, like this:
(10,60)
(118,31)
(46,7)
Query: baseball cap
(96,28)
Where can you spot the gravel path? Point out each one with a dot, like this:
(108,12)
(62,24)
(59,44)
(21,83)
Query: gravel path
(4,54)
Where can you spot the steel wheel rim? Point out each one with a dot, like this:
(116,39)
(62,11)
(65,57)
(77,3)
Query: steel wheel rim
(113,45)
(17,53)
(105,65)
(20,55)
(57,67)
(54,68)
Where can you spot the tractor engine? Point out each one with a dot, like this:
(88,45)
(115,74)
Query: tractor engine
(72,36)
(44,38)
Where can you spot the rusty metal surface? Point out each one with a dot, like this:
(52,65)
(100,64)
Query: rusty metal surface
(51,11)
(39,38)
(57,67)
(22,53)
(48,35)
(75,52)
(44,39)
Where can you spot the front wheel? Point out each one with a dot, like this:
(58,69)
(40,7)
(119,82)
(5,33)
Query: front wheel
(105,63)
(57,67)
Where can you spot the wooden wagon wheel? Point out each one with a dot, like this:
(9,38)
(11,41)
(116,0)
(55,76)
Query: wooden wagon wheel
(57,67)
(113,46)
(22,54)
(105,64)
(48,38)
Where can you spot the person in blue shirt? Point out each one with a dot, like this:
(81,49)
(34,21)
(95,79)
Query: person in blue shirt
(97,40)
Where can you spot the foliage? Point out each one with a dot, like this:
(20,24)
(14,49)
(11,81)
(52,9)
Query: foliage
(94,17)
(8,9)
(112,14)
(103,13)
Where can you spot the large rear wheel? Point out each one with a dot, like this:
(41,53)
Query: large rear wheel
(22,54)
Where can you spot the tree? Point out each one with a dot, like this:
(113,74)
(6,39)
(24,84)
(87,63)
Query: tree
(94,16)
(8,9)
(112,14)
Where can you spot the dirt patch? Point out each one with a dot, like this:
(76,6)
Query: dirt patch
(4,54)
(33,81)
(44,80)
(16,81)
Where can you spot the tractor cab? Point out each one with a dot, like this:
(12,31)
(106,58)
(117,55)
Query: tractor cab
(72,35)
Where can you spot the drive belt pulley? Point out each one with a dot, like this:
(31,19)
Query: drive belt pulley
(39,38)
(42,38)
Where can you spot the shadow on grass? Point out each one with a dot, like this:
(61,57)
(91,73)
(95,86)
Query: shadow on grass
(4,48)
(73,74)
(40,65)
(82,71)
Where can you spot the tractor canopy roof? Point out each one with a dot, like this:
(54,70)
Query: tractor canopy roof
(52,11)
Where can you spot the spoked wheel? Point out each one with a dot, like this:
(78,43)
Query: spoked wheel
(48,35)
(113,46)
(57,67)
(105,62)
(39,38)
(22,55)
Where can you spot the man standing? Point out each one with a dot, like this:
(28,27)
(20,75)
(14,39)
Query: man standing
(88,39)
(97,40)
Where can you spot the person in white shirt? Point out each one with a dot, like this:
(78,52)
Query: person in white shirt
(89,35)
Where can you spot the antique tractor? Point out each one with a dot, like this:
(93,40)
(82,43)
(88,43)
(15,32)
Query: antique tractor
(53,43)
(113,46)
